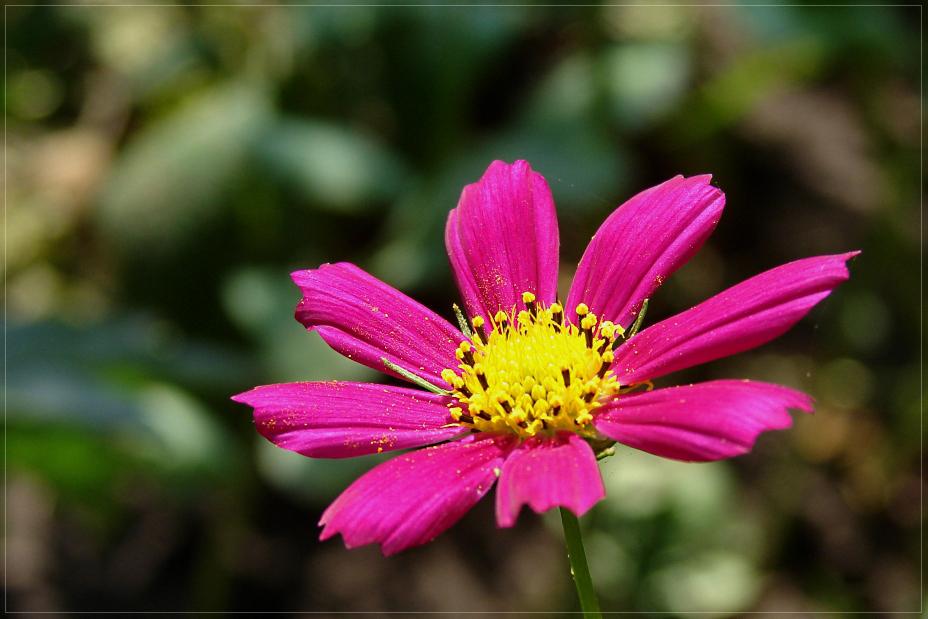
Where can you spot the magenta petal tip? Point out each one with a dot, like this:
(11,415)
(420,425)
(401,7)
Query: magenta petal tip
(703,421)
(555,472)
(241,398)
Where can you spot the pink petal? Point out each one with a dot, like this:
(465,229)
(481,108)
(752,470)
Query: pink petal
(701,422)
(365,319)
(641,243)
(502,239)
(341,420)
(409,500)
(545,473)
(738,319)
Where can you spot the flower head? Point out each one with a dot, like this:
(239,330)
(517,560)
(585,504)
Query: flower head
(518,393)
(533,373)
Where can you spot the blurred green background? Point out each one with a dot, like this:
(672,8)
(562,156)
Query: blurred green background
(166,167)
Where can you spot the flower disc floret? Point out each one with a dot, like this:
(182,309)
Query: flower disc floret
(531,372)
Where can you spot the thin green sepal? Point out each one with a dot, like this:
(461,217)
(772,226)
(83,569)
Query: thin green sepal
(638,320)
(462,321)
(413,378)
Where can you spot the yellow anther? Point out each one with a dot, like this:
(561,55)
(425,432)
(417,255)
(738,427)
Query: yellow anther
(456,413)
(448,376)
(608,356)
(464,347)
(556,308)
(589,321)
(478,322)
(583,309)
(500,317)
(528,297)
(607,329)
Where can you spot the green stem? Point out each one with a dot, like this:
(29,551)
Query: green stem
(578,567)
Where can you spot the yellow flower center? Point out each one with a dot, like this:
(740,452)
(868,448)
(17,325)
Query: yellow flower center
(531,372)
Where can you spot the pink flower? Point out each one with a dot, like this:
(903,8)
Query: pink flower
(535,382)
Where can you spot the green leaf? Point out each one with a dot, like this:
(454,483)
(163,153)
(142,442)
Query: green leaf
(172,176)
(644,81)
(332,167)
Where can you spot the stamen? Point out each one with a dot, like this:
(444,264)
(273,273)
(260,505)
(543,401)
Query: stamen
(465,354)
(529,299)
(608,358)
(481,377)
(500,319)
(478,323)
(607,329)
(587,324)
(458,414)
(557,315)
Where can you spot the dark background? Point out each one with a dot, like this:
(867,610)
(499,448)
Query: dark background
(166,167)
